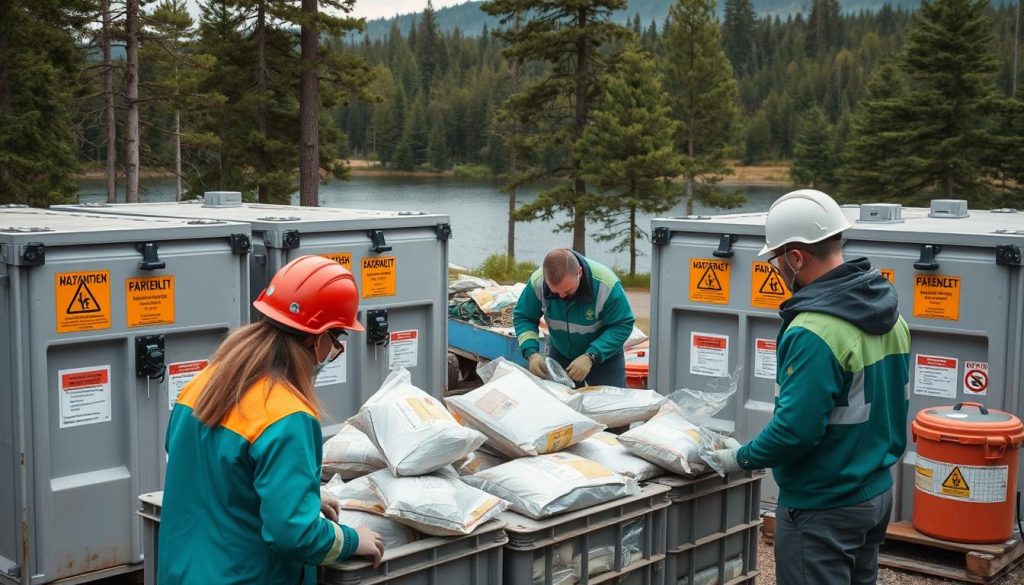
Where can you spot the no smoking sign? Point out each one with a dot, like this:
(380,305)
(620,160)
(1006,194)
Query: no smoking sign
(976,378)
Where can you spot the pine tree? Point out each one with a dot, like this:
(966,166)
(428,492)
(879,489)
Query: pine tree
(950,60)
(824,28)
(628,151)
(703,96)
(815,161)
(759,140)
(426,47)
(567,35)
(437,148)
(738,34)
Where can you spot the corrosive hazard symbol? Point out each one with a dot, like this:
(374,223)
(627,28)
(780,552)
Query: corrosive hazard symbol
(82,301)
(767,291)
(956,485)
(709,281)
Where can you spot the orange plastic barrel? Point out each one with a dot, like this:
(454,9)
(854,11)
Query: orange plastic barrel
(966,473)
(637,368)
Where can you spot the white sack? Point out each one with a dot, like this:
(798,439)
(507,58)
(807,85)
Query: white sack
(351,454)
(668,440)
(619,407)
(605,448)
(356,495)
(564,390)
(478,461)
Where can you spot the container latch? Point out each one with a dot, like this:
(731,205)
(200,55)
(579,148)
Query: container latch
(240,244)
(290,239)
(927,261)
(149,357)
(444,231)
(725,246)
(150,258)
(1008,255)
(377,239)
(661,236)
(377,328)
(33,254)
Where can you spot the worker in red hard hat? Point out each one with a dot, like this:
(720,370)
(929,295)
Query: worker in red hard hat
(242,500)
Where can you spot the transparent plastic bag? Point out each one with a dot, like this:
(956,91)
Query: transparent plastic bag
(556,373)
(697,405)
(710,441)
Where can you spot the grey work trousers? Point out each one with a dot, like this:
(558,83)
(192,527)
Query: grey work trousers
(831,547)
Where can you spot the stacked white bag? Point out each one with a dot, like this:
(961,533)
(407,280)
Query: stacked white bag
(351,454)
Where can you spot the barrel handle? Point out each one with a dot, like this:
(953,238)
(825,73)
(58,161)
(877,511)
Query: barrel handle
(980,406)
(995,447)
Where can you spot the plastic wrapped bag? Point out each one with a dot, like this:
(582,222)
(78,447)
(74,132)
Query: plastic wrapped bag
(520,419)
(636,337)
(565,391)
(605,448)
(393,533)
(478,461)
(413,430)
(619,407)
(439,504)
(351,454)
(355,495)
(699,405)
(602,558)
(561,566)
(551,484)
(668,440)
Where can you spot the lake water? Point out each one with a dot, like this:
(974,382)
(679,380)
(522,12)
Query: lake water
(478,211)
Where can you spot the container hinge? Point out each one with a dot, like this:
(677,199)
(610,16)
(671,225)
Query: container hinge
(377,239)
(1008,255)
(444,231)
(150,258)
(33,254)
(661,236)
(927,261)
(725,246)
(240,244)
(290,239)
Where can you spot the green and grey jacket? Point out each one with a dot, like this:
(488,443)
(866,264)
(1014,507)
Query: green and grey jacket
(597,319)
(841,403)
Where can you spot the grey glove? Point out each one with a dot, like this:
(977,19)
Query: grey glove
(537,366)
(726,459)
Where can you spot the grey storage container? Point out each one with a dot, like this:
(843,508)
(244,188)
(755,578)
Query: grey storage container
(472,559)
(957,273)
(712,528)
(104,320)
(625,539)
(400,262)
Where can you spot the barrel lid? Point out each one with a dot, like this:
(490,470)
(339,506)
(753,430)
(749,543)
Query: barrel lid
(637,360)
(968,420)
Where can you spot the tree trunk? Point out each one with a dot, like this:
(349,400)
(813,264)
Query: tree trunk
(263,110)
(177,155)
(579,228)
(513,162)
(689,178)
(309,109)
(131,80)
(5,89)
(109,113)
(632,240)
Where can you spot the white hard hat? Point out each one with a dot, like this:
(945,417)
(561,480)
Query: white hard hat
(806,216)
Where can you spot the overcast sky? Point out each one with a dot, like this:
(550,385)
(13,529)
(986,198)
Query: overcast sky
(371,9)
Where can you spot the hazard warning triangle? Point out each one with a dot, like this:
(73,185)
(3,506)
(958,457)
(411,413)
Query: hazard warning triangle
(956,485)
(772,285)
(709,280)
(83,301)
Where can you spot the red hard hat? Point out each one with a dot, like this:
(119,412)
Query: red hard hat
(311,294)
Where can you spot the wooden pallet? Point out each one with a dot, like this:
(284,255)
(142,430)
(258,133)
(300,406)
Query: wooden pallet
(909,550)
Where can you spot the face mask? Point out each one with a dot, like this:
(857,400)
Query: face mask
(317,369)
(794,285)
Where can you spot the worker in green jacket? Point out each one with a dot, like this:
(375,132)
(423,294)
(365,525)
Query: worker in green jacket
(840,419)
(242,502)
(588,318)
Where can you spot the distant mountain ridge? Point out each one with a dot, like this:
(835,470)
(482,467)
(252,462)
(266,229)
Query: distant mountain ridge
(471,20)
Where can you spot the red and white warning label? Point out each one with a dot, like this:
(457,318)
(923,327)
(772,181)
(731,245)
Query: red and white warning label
(179,374)
(935,376)
(709,354)
(403,349)
(764,358)
(975,378)
(84,396)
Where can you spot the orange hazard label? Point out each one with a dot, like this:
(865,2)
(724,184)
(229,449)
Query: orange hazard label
(767,291)
(379,276)
(956,485)
(937,297)
(83,301)
(709,281)
(889,274)
(710,341)
(343,258)
(149,301)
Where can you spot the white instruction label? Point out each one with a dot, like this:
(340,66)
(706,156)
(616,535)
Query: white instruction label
(966,483)
(935,376)
(709,354)
(764,358)
(334,372)
(178,375)
(84,396)
(403,349)
(975,378)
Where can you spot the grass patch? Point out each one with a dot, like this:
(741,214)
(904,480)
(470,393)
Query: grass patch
(501,268)
(472,171)
(640,280)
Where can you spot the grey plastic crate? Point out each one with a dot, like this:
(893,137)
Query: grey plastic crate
(414,246)
(474,559)
(979,254)
(81,431)
(709,524)
(536,543)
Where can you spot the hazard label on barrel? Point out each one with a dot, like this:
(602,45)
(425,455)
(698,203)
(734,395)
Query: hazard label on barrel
(965,483)
(956,485)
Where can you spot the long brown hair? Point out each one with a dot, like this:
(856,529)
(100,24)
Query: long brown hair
(252,353)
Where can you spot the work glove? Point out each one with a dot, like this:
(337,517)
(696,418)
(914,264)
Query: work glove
(579,368)
(537,366)
(726,459)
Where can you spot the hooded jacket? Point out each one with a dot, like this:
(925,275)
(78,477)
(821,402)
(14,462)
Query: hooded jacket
(841,392)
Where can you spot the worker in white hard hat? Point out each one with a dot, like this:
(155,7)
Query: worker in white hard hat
(841,404)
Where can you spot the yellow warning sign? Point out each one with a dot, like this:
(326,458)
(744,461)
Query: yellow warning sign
(889,274)
(709,281)
(937,296)
(767,291)
(955,485)
(83,301)
(380,275)
(149,301)
(343,258)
